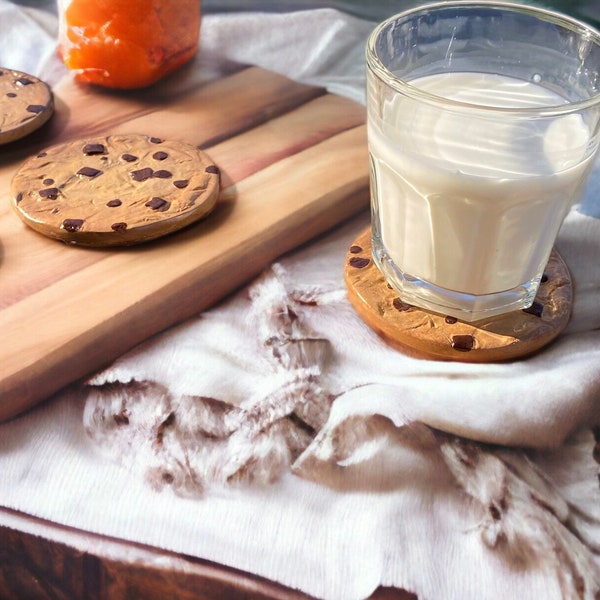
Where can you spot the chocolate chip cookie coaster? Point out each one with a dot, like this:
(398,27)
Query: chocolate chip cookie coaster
(25,103)
(115,190)
(426,334)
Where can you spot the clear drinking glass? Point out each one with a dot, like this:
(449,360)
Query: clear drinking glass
(483,124)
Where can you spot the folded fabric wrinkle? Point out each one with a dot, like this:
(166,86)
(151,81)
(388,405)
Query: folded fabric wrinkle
(369,421)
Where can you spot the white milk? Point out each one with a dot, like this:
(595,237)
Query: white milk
(470,204)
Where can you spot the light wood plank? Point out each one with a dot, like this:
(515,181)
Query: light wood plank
(86,319)
(31,262)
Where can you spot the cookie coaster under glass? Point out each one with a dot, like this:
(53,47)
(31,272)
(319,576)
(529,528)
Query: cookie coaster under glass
(431,335)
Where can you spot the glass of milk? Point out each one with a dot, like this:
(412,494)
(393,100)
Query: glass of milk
(483,124)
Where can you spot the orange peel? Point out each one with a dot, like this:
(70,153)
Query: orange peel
(130,44)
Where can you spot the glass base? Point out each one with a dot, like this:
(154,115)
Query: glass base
(466,307)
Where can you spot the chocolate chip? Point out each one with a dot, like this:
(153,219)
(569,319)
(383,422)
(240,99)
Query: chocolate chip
(536,309)
(114,203)
(544,278)
(23,81)
(463,343)
(181,183)
(49,193)
(11,95)
(162,174)
(72,224)
(156,140)
(142,174)
(212,169)
(354,249)
(400,305)
(19,197)
(42,154)
(48,181)
(160,155)
(129,157)
(90,149)
(358,262)
(36,108)
(450,320)
(89,172)
(157,204)
(120,227)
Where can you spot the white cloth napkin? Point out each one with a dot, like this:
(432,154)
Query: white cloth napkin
(276,433)
(28,39)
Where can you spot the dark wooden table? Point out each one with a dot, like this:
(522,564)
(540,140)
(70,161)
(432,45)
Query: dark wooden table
(44,561)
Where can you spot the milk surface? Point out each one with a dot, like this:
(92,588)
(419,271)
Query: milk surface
(472,202)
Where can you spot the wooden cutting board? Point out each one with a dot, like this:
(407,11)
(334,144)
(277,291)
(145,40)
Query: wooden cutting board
(293,161)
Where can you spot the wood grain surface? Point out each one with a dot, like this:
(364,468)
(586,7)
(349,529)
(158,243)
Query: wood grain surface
(294,163)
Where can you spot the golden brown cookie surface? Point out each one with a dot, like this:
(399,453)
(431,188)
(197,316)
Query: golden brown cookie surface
(115,190)
(429,335)
(25,102)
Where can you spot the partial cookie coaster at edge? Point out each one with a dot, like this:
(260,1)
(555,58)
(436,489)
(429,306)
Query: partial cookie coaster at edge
(26,103)
(115,190)
(426,334)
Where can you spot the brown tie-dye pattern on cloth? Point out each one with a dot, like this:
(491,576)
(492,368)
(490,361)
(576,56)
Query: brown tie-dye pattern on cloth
(190,443)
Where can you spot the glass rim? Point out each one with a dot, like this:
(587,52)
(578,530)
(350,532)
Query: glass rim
(375,64)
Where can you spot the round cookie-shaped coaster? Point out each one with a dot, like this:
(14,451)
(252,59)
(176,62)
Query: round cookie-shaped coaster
(115,191)
(26,103)
(425,334)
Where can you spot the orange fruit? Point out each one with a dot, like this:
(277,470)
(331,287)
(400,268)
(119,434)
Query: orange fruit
(127,44)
